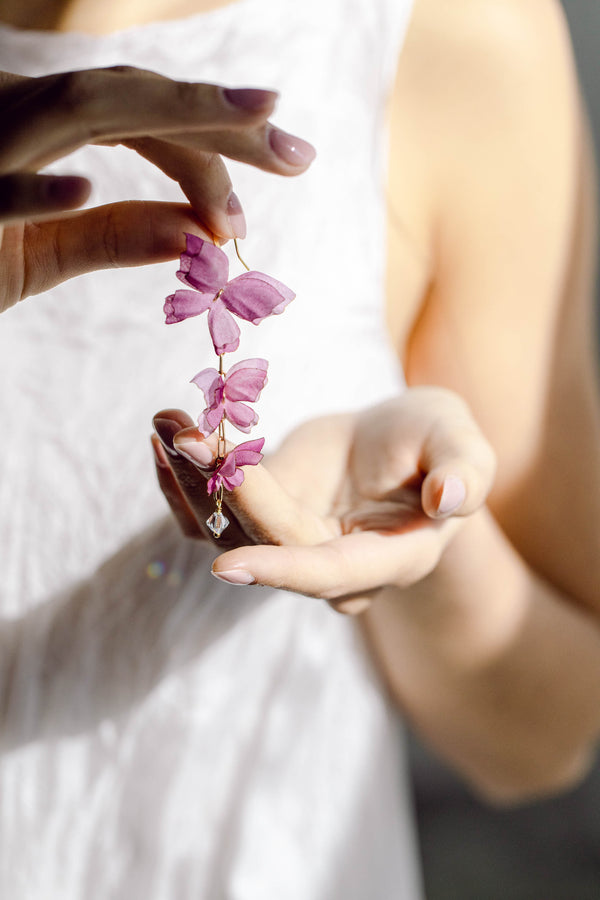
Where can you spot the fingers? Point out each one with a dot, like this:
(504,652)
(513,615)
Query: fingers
(193,160)
(172,492)
(349,566)
(263,146)
(426,440)
(460,466)
(120,234)
(204,180)
(47,117)
(261,506)
(185,487)
(25,196)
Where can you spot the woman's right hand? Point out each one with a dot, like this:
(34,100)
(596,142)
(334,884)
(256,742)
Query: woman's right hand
(183,128)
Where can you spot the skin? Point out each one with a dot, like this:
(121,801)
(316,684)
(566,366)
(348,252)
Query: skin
(182,128)
(484,624)
(492,646)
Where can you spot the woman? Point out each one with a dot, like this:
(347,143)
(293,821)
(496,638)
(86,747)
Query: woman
(192,779)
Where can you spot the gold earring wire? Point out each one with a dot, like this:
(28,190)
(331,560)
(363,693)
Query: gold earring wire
(237,250)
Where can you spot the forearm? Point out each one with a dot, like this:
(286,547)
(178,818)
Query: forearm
(495,667)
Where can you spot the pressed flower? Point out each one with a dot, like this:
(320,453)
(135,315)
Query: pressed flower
(252,296)
(224,394)
(229,474)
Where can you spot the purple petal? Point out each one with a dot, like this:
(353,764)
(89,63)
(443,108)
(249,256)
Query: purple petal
(223,328)
(240,415)
(226,474)
(232,481)
(246,380)
(253,296)
(229,474)
(208,421)
(203,266)
(248,453)
(183,304)
(214,483)
(208,380)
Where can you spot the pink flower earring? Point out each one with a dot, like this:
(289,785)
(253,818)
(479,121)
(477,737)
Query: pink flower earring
(252,296)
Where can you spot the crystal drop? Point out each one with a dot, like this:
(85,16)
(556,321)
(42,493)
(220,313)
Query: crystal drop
(217,523)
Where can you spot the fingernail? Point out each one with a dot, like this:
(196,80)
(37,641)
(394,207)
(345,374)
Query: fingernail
(236,217)
(250,99)
(166,430)
(453,495)
(66,190)
(197,452)
(160,455)
(352,607)
(235,576)
(292,150)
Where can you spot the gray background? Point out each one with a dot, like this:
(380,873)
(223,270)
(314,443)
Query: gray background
(543,851)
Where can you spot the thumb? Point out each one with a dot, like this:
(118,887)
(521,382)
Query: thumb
(131,233)
(460,466)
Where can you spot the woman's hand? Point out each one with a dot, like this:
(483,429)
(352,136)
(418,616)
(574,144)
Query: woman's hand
(347,505)
(183,128)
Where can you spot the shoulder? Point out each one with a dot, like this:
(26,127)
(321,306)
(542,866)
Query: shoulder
(511,36)
(486,92)
(480,65)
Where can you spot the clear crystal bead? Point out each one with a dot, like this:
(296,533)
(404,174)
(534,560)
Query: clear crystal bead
(217,523)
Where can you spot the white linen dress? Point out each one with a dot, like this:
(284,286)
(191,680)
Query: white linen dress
(165,736)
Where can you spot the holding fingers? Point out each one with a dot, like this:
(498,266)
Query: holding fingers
(181,127)
(349,504)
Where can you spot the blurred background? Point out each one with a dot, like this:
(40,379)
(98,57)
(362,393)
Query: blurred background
(542,851)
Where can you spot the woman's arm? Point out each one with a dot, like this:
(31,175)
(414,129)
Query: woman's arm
(496,654)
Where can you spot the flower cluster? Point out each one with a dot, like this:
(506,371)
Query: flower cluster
(253,296)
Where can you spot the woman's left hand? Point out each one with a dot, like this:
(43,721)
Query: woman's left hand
(347,505)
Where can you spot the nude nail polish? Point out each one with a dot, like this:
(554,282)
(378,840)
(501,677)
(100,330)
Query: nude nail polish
(249,99)
(235,576)
(292,150)
(453,495)
(196,452)
(166,429)
(236,217)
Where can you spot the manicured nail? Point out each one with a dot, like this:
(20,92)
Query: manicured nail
(453,495)
(249,99)
(166,430)
(66,190)
(292,150)
(353,607)
(197,452)
(160,455)
(235,576)
(235,214)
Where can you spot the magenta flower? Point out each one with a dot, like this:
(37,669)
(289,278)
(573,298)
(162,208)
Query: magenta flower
(228,473)
(224,394)
(252,296)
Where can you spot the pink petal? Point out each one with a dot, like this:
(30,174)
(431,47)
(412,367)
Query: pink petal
(214,483)
(253,296)
(246,380)
(232,481)
(248,453)
(208,421)
(226,474)
(203,266)
(208,380)
(240,415)
(183,304)
(223,328)
(229,474)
